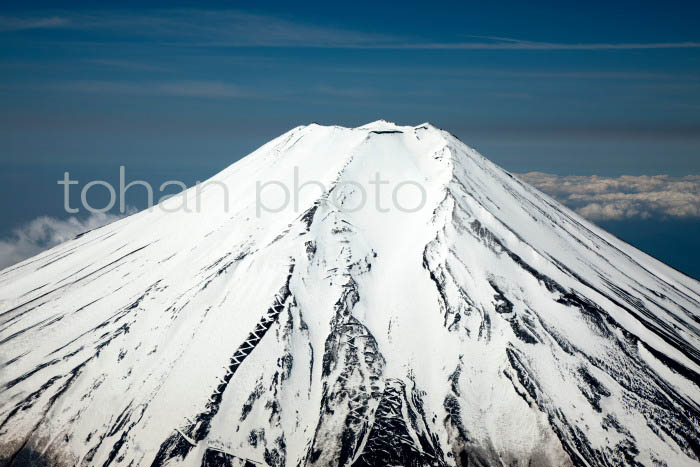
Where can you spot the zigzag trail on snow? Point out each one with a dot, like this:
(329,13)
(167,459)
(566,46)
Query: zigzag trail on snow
(492,326)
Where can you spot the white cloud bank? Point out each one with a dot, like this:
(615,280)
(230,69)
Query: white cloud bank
(45,232)
(625,197)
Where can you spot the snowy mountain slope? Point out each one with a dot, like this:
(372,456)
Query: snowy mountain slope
(492,326)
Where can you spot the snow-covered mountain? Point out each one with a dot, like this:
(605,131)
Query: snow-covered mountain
(492,326)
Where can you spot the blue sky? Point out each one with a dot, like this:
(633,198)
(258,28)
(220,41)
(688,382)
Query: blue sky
(182,89)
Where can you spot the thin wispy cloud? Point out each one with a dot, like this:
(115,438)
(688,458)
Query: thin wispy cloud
(216,28)
(625,75)
(202,89)
(346,92)
(504,43)
(232,28)
(10,23)
(128,65)
(510,95)
(625,197)
(199,89)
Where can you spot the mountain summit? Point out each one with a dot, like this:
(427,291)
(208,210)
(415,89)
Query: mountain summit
(372,296)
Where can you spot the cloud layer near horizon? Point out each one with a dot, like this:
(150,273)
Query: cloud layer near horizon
(625,197)
(45,232)
(594,197)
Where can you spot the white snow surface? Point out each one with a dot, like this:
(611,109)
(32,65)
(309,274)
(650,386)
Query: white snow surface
(517,332)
